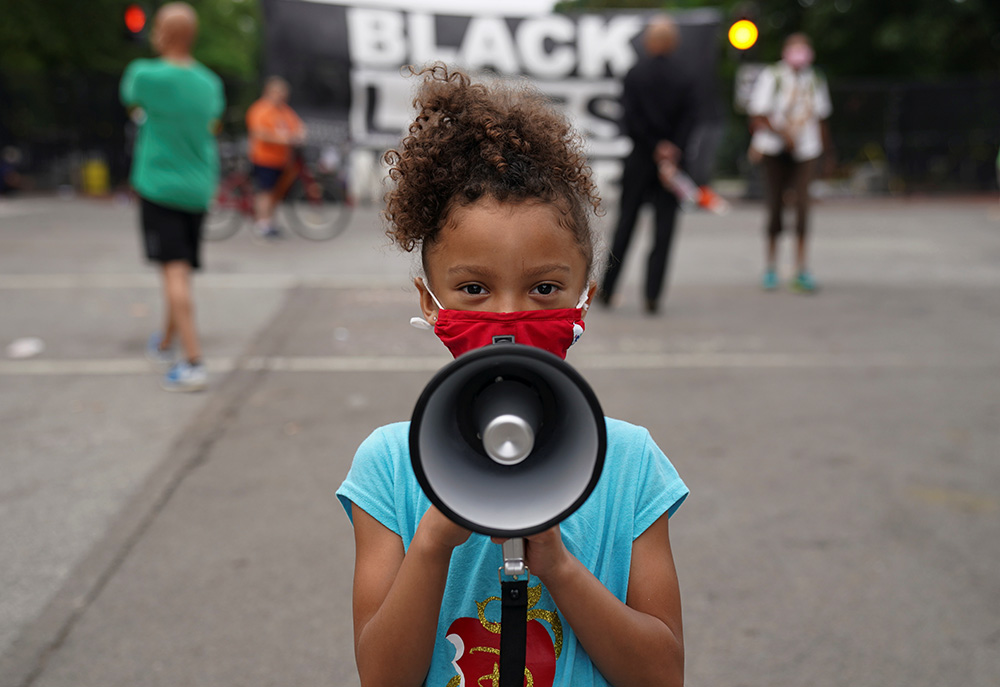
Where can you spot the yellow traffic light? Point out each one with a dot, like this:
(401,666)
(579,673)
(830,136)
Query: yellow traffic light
(743,34)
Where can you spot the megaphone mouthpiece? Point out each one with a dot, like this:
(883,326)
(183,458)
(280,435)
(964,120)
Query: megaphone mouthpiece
(508,414)
(508,439)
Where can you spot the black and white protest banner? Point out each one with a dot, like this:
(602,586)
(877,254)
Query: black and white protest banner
(346,64)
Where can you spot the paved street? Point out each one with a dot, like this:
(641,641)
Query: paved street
(842,450)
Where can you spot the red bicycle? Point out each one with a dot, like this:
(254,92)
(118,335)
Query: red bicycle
(312,199)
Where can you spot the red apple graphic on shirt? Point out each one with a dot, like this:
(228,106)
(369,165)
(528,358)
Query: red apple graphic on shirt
(477,647)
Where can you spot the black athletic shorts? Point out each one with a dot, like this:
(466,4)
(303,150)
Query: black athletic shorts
(266,178)
(170,234)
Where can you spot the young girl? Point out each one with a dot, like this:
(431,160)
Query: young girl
(492,186)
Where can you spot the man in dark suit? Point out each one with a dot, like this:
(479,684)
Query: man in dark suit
(659,106)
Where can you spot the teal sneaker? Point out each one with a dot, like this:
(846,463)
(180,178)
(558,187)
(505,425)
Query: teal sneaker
(804,283)
(770,280)
(184,376)
(162,359)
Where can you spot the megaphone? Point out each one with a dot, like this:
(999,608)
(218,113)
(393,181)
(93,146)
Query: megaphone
(507,440)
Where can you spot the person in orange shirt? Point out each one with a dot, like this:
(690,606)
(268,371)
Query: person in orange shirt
(273,129)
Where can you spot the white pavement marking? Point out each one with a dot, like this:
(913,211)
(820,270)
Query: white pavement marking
(365,363)
(109,366)
(9,209)
(610,361)
(151,280)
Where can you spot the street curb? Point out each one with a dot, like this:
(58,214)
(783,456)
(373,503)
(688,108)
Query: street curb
(25,660)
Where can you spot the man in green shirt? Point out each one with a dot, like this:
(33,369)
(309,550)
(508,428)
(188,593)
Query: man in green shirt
(175,171)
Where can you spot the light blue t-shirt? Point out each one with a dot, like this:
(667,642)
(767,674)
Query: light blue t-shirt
(637,486)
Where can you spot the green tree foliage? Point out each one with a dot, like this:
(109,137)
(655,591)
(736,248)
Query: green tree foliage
(70,36)
(60,62)
(893,38)
(888,38)
(60,35)
(229,40)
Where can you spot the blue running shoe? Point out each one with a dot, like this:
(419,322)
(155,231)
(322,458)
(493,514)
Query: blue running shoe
(770,280)
(184,376)
(804,283)
(269,234)
(161,359)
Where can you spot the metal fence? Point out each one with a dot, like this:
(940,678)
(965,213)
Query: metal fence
(932,136)
(59,122)
(891,136)
(902,137)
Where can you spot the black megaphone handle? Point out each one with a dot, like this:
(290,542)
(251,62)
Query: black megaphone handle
(513,631)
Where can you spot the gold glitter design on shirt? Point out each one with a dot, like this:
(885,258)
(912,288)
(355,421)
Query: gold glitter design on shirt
(534,596)
(481,612)
(494,677)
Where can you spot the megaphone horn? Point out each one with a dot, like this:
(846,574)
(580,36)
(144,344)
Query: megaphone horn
(507,440)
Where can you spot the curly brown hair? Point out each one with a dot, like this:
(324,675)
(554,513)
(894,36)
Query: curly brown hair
(471,141)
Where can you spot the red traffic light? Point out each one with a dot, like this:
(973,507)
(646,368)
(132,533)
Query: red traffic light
(135,18)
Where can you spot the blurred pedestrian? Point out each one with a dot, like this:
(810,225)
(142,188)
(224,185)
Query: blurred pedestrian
(788,109)
(659,111)
(274,129)
(10,177)
(175,172)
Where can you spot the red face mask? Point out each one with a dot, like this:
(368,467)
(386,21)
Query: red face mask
(551,330)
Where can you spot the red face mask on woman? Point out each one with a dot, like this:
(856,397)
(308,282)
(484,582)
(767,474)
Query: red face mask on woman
(464,330)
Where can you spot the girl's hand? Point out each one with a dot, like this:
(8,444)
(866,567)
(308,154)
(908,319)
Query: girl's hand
(438,532)
(545,553)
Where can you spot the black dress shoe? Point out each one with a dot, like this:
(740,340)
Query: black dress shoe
(652,307)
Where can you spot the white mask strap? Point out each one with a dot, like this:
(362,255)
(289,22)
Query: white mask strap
(436,301)
(583,298)
(419,322)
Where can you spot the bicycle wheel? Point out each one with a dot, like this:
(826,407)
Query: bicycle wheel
(319,210)
(227,212)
